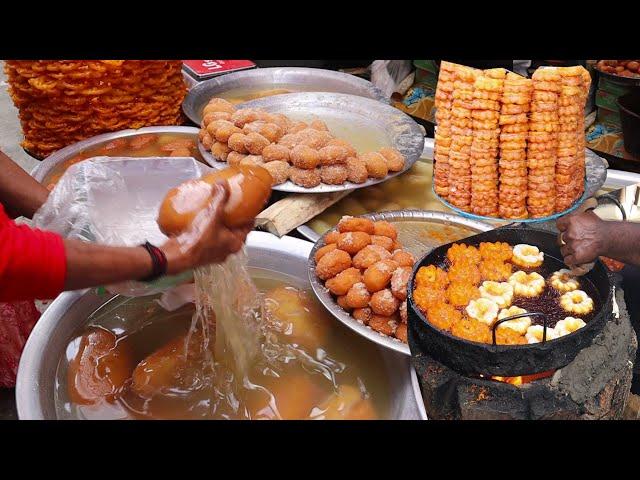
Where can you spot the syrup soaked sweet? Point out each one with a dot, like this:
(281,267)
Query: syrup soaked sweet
(306,367)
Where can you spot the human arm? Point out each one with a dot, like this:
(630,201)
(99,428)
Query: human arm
(20,193)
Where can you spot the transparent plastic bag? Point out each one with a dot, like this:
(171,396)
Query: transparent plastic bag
(114,201)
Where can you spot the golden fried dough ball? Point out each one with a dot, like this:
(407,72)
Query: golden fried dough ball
(220,151)
(342,282)
(496,250)
(213,126)
(404,259)
(353,242)
(296,127)
(472,330)
(460,294)
(270,131)
(341,300)
(427,297)
(275,152)
(464,273)
(245,115)
(378,275)
(384,242)
(432,277)
(495,270)
(278,169)
(304,157)
(363,315)
(334,174)
(224,131)
(236,143)
(443,316)
(322,251)
(307,178)
(255,143)
(402,310)
(234,158)
(401,332)
(460,252)
(337,142)
(356,170)
(358,296)
(219,105)
(356,224)
(289,140)
(212,116)
(385,229)
(384,303)
(370,255)
(332,264)
(395,160)
(315,139)
(333,155)
(399,282)
(332,237)
(376,165)
(383,324)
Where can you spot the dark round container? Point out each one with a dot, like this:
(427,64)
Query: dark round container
(629,105)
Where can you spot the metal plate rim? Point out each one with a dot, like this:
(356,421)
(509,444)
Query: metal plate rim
(412,152)
(325,298)
(189,106)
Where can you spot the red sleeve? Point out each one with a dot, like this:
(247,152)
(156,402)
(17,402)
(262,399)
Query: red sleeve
(33,263)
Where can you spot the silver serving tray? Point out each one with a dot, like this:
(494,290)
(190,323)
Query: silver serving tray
(417,247)
(43,168)
(353,115)
(310,79)
(69,312)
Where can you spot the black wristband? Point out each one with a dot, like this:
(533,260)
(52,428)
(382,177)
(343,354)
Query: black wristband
(158,260)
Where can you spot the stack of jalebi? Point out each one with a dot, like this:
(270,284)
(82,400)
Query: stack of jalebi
(62,102)
(443,103)
(542,149)
(461,137)
(569,170)
(514,127)
(485,113)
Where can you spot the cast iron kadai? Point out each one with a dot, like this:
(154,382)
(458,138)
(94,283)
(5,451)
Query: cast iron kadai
(472,358)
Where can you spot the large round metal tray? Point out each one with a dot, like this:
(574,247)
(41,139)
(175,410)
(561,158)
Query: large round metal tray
(69,312)
(353,116)
(307,79)
(43,168)
(596,175)
(412,242)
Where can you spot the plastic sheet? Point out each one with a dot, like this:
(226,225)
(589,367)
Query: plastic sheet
(114,201)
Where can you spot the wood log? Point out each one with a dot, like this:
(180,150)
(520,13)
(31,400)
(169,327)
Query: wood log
(295,210)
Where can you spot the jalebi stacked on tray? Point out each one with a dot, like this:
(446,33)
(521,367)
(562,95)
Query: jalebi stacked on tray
(485,113)
(514,128)
(542,148)
(461,137)
(442,143)
(62,102)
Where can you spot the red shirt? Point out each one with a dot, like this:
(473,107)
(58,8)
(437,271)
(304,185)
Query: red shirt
(33,263)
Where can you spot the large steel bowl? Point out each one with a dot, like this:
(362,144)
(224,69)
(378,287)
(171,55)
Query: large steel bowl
(306,79)
(69,312)
(43,168)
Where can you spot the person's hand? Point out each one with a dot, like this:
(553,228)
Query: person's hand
(583,238)
(208,240)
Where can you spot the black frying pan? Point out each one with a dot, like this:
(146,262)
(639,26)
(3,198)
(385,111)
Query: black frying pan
(507,360)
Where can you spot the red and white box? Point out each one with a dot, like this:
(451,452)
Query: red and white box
(203,69)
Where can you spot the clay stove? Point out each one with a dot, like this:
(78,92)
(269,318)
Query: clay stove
(595,385)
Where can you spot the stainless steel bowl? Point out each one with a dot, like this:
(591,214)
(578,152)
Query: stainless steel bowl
(49,339)
(413,243)
(43,168)
(307,79)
